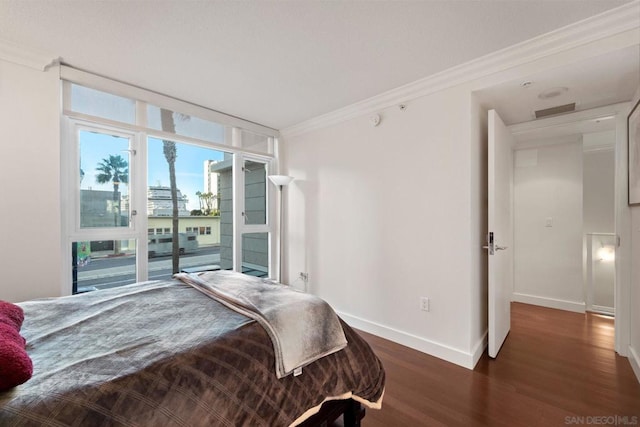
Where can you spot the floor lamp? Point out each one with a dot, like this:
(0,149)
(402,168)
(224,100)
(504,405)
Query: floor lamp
(281,181)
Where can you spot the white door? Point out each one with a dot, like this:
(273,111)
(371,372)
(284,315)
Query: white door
(500,237)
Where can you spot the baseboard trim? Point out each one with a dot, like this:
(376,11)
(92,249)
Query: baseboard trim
(610,311)
(441,351)
(634,360)
(575,306)
(480,347)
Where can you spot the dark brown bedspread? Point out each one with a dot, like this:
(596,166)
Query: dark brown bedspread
(163,354)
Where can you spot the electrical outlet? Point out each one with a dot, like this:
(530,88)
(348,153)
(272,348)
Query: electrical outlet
(424,303)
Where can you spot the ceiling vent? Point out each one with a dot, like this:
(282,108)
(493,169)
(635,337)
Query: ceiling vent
(567,108)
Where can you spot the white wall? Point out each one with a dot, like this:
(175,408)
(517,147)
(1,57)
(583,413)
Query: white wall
(30,258)
(548,259)
(380,216)
(563,183)
(598,190)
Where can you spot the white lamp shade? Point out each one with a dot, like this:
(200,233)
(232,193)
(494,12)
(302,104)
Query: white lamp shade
(281,180)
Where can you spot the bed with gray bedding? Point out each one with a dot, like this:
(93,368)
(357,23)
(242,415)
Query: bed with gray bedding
(165,354)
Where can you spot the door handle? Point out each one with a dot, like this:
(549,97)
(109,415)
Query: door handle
(495,248)
(490,243)
(490,249)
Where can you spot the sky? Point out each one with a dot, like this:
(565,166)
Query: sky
(189,163)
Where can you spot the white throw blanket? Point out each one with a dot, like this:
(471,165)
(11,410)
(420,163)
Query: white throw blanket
(302,327)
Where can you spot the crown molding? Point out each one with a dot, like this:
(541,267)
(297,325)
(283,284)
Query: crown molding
(31,58)
(623,19)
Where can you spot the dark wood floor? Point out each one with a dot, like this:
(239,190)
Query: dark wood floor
(556,368)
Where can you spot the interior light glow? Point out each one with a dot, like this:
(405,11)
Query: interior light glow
(606,253)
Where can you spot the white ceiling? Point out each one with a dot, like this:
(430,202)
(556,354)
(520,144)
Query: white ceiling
(590,83)
(279,63)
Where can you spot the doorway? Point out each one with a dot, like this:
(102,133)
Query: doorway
(564,222)
(572,132)
(597,84)
(560,211)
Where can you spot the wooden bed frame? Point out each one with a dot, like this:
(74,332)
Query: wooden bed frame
(351,411)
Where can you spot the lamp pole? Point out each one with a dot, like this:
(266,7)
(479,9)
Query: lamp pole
(281,181)
(281,239)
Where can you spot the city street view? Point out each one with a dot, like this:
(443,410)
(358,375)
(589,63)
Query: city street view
(106,271)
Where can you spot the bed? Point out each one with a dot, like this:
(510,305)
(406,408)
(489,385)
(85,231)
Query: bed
(164,353)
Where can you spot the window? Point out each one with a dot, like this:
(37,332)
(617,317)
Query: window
(255,254)
(255,192)
(100,237)
(104,177)
(256,142)
(184,125)
(101,104)
(118,223)
(255,239)
(197,199)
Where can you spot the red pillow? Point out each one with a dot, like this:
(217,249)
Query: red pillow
(9,334)
(15,365)
(11,314)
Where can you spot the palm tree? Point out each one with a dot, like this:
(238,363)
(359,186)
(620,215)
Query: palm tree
(199,194)
(114,169)
(209,200)
(170,154)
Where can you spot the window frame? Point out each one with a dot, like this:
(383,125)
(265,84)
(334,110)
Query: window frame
(138,134)
(240,228)
(73,177)
(70,195)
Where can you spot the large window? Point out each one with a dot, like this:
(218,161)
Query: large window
(150,191)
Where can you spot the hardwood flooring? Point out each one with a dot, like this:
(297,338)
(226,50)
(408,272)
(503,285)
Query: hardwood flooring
(556,368)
